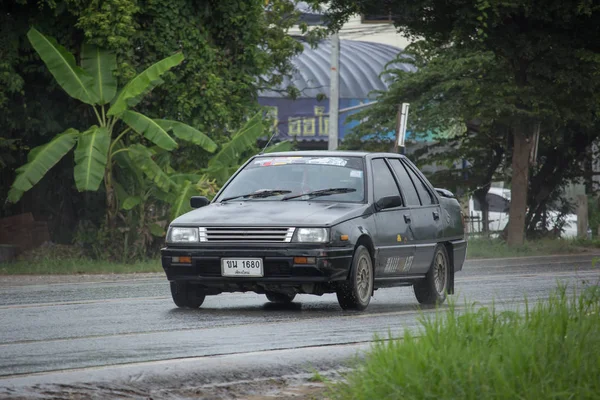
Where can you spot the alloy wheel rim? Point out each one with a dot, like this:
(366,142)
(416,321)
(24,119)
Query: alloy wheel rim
(440,273)
(363,279)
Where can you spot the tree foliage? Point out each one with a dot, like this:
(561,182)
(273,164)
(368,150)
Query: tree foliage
(548,51)
(233,50)
(94,156)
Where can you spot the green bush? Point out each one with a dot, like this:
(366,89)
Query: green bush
(594,214)
(551,351)
(497,248)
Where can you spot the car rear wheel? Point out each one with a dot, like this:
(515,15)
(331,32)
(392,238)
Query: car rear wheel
(355,294)
(282,298)
(186,295)
(433,289)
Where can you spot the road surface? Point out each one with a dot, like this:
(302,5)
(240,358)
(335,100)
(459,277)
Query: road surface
(80,326)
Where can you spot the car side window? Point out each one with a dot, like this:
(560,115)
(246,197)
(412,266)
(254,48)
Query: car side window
(408,189)
(497,203)
(424,193)
(384,183)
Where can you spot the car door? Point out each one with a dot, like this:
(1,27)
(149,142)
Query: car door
(393,241)
(425,210)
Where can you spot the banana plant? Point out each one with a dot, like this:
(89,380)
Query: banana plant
(229,158)
(97,148)
(153,178)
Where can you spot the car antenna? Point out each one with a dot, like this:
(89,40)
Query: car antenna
(267,145)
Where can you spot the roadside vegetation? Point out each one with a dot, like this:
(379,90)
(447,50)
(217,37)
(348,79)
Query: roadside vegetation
(73,266)
(53,259)
(495,248)
(186,113)
(549,351)
(115,118)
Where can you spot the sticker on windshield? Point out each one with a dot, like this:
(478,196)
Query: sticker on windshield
(356,174)
(266,162)
(263,161)
(340,162)
(285,160)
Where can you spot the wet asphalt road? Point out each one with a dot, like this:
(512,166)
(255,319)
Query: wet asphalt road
(69,326)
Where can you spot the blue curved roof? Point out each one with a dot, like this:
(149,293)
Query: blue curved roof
(361,64)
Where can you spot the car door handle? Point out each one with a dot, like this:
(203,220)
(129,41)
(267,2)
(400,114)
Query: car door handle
(436,215)
(407,218)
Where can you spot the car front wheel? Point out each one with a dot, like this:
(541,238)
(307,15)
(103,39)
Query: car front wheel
(186,295)
(432,290)
(355,294)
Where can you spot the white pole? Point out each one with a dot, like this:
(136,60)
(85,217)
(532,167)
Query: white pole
(402,125)
(334,94)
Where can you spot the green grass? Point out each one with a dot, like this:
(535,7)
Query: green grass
(317,377)
(550,351)
(75,266)
(496,248)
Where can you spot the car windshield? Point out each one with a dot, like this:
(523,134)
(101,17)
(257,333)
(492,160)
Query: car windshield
(341,177)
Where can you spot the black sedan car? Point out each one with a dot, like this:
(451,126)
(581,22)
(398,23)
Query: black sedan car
(318,222)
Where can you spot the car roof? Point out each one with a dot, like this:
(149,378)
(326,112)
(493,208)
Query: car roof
(328,153)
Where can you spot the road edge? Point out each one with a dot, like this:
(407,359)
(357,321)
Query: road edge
(198,371)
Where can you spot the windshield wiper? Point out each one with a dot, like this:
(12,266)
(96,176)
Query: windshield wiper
(322,192)
(258,195)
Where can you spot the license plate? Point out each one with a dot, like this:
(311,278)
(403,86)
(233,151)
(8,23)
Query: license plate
(242,267)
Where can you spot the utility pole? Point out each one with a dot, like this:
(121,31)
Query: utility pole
(334,92)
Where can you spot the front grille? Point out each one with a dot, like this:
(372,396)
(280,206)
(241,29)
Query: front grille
(241,235)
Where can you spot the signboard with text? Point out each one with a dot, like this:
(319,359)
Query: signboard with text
(306,119)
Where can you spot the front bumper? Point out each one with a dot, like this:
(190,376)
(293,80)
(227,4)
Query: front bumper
(332,264)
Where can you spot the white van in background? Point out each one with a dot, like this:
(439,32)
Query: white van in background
(499,204)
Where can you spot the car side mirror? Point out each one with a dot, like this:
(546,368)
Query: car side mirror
(388,202)
(198,201)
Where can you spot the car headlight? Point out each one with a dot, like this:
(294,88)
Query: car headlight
(183,235)
(312,235)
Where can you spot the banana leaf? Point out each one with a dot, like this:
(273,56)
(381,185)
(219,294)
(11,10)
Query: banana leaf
(142,158)
(142,84)
(39,162)
(149,129)
(61,64)
(188,133)
(243,140)
(182,202)
(90,158)
(100,64)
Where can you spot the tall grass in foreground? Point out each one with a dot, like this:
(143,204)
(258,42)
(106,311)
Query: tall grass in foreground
(551,351)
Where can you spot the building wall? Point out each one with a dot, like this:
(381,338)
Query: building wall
(355,29)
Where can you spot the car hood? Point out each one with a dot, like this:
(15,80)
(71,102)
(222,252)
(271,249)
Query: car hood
(271,213)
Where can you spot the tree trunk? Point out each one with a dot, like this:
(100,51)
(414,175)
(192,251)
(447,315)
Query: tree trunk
(520,180)
(588,171)
(481,196)
(111,204)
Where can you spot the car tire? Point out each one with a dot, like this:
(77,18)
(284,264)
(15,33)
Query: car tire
(186,295)
(355,294)
(281,298)
(433,289)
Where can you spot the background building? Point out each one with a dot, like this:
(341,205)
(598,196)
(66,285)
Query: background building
(305,118)
(367,46)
